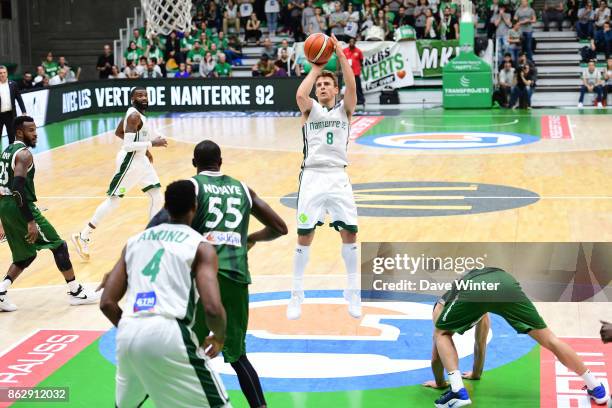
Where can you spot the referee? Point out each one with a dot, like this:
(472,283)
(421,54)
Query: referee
(9,92)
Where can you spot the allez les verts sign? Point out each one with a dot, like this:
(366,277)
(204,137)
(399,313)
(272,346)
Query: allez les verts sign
(386,64)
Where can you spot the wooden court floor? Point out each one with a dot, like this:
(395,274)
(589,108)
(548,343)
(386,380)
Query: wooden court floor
(571,178)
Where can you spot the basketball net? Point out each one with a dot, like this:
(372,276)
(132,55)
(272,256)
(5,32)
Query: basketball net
(164,16)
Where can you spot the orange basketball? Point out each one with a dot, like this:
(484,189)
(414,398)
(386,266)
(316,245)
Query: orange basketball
(318,48)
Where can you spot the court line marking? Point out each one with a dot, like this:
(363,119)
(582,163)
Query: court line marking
(18,342)
(491,125)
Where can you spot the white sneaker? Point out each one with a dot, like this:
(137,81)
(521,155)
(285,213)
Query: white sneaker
(294,309)
(599,105)
(580,105)
(354,302)
(81,245)
(83,297)
(5,303)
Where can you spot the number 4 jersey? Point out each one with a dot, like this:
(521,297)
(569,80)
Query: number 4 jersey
(159,264)
(326,136)
(222,217)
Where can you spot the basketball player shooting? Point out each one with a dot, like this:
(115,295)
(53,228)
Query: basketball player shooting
(324,184)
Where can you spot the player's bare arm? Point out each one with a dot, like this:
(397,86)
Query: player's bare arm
(115,288)
(274,226)
(23,161)
(119,131)
(133,125)
(206,267)
(303,93)
(480,348)
(350,92)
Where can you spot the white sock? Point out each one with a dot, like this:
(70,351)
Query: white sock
(157,201)
(102,211)
(5,284)
(590,380)
(349,254)
(300,260)
(455,380)
(73,285)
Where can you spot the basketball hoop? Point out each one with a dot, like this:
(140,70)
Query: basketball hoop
(164,16)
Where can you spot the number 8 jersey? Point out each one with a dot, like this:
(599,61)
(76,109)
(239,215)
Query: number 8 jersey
(222,217)
(326,135)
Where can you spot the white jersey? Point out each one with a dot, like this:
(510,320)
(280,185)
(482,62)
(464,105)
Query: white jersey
(326,136)
(159,269)
(141,135)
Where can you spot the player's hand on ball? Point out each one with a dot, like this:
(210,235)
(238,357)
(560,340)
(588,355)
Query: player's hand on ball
(469,375)
(606,332)
(32,234)
(159,142)
(337,46)
(213,346)
(435,385)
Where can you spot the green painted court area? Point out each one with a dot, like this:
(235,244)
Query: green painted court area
(518,382)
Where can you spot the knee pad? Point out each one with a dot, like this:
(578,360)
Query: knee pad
(62,257)
(24,264)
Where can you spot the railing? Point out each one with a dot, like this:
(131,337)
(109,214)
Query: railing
(120,45)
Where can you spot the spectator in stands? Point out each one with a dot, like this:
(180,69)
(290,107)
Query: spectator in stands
(196,55)
(213,16)
(173,48)
(592,81)
(284,47)
(272,10)
(245,9)
(142,65)
(207,66)
(154,51)
(268,47)
(263,67)
(449,25)
(198,18)
(185,44)
(572,11)
(115,73)
(420,18)
(284,60)
(604,40)
(431,27)
(233,52)
(355,57)
(408,17)
(492,10)
(160,67)
(505,80)
(132,53)
(253,29)
(59,78)
(351,30)
(130,70)
(337,21)
(71,76)
(152,71)
(182,71)
(608,77)
(140,41)
(507,58)
(523,90)
(584,26)
(317,23)
(50,65)
(514,41)
(382,22)
(278,70)
(526,17)
(230,17)
(295,8)
(502,23)
(105,62)
(523,60)
(222,69)
(553,11)
(40,75)
(27,82)
(602,15)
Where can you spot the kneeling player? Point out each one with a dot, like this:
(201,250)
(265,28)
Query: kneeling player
(461,309)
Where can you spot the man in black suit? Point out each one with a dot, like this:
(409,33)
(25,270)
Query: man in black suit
(9,92)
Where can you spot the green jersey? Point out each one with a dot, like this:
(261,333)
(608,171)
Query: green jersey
(222,217)
(223,70)
(51,68)
(7,174)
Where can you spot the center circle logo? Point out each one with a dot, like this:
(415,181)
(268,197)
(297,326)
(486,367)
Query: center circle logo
(447,140)
(432,198)
(327,350)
